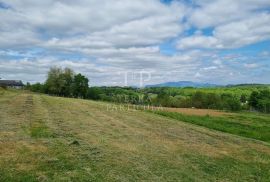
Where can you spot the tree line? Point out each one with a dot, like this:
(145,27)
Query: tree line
(65,82)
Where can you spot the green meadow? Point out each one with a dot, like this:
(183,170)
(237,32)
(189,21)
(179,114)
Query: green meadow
(44,138)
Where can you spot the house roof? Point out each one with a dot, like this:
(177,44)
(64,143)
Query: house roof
(11,83)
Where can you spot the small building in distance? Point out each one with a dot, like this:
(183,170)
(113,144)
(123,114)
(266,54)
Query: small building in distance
(17,84)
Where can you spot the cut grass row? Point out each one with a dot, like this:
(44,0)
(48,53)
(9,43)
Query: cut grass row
(246,125)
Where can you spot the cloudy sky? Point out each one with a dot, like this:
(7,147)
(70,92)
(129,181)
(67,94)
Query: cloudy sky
(114,42)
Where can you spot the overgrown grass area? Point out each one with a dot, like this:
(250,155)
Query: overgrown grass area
(45,138)
(256,126)
(40,131)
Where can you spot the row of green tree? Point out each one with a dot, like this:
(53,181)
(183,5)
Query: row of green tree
(257,99)
(202,100)
(64,82)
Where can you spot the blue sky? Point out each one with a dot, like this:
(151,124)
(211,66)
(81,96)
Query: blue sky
(118,42)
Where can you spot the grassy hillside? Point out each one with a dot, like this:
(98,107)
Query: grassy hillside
(46,138)
(251,125)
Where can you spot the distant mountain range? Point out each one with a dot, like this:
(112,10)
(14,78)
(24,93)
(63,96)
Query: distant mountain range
(184,84)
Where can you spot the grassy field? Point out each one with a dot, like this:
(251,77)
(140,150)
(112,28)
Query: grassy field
(45,138)
(196,112)
(251,125)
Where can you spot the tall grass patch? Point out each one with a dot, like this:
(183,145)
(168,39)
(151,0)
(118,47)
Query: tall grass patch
(233,125)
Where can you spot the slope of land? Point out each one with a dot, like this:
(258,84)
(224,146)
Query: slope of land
(250,125)
(197,112)
(45,138)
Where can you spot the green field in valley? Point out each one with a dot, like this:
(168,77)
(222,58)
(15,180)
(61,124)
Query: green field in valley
(44,138)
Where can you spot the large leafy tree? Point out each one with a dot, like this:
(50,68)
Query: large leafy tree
(80,86)
(55,81)
(260,100)
(67,76)
(64,82)
(253,99)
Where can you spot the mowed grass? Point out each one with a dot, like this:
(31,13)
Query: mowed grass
(45,138)
(251,125)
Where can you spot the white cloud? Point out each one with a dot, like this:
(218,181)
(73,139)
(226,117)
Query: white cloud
(232,35)
(245,32)
(252,65)
(198,41)
(107,69)
(119,23)
(110,37)
(209,68)
(213,13)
